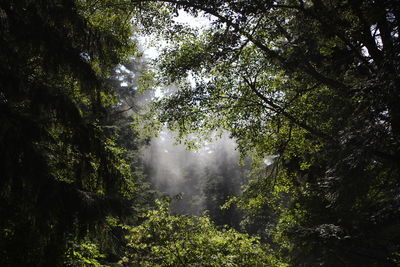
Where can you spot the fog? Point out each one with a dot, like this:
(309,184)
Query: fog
(195,180)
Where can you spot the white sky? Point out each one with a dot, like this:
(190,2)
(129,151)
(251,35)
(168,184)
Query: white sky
(152,47)
(186,18)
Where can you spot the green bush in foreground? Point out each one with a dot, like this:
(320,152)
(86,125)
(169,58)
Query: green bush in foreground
(166,240)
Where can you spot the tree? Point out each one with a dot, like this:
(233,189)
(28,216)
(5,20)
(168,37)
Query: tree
(62,173)
(315,83)
(222,181)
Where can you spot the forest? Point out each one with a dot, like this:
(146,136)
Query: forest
(266,135)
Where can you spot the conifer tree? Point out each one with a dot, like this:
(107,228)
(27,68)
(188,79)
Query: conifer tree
(62,173)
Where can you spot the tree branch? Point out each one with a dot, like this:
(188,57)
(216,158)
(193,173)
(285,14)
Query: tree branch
(282,111)
(289,66)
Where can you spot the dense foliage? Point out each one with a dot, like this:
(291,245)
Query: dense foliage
(166,240)
(308,88)
(315,84)
(62,172)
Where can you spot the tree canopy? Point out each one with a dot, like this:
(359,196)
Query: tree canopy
(315,84)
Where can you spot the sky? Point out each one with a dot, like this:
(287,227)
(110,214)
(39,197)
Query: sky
(152,47)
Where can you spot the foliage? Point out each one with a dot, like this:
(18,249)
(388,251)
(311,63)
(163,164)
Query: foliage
(165,240)
(316,84)
(62,172)
(84,254)
(312,83)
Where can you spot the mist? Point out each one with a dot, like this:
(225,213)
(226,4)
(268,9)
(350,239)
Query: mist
(195,180)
